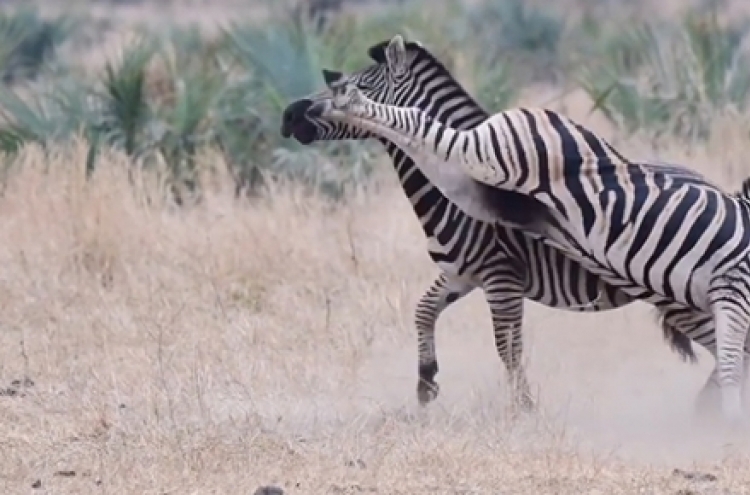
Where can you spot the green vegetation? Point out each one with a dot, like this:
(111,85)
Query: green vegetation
(673,78)
(174,93)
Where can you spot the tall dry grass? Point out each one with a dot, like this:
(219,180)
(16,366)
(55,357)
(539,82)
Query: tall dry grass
(211,349)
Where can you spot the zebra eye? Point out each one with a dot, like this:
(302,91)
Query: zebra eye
(364,86)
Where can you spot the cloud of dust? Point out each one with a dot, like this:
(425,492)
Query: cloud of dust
(607,382)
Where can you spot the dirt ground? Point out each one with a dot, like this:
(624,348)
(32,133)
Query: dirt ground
(149,350)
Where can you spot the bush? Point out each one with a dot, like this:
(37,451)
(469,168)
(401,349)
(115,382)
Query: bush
(513,32)
(28,42)
(178,92)
(673,79)
(169,96)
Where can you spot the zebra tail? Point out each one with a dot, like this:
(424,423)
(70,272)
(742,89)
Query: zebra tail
(680,343)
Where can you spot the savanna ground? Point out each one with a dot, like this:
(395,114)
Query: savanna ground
(230,343)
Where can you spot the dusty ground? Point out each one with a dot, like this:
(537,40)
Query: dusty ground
(218,349)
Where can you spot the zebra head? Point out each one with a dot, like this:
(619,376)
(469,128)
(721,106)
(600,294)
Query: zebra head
(393,79)
(346,101)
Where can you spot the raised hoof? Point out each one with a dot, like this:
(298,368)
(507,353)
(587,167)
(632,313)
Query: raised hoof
(427,392)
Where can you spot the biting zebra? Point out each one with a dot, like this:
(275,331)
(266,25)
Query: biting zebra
(658,235)
(506,263)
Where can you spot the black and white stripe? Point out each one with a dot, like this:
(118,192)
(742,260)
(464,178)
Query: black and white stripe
(506,263)
(657,234)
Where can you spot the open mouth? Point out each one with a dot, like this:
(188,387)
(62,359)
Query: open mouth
(303,137)
(301,133)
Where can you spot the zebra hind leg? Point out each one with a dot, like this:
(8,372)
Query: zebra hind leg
(506,305)
(732,317)
(683,323)
(443,292)
(710,394)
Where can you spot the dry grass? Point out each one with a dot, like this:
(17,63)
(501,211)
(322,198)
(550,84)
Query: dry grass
(215,349)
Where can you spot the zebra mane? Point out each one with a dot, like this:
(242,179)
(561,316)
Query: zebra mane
(514,208)
(674,169)
(377,53)
(744,192)
(685,173)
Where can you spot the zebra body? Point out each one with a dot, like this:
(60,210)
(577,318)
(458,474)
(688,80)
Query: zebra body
(506,263)
(656,235)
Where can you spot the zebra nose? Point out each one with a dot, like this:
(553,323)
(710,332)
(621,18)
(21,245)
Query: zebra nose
(292,115)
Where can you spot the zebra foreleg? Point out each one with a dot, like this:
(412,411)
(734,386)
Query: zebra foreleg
(506,306)
(443,292)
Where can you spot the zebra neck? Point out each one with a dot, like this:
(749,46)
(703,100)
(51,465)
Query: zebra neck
(427,141)
(462,197)
(423,196)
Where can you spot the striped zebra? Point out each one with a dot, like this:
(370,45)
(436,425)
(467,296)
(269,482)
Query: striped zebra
(506,263)
(657,235)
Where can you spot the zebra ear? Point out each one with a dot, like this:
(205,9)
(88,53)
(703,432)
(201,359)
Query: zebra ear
(395,55)
(331,76)
(377,51)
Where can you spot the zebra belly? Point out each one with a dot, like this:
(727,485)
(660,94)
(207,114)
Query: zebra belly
(452,261)
(677,265)
(558,281)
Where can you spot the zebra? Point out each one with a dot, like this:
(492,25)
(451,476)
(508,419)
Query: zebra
(506,263)
(656,235)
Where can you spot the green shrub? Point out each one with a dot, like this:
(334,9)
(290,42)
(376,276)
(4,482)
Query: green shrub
(28,42)
(676,78)
(512,31)
(276,65)
(170,95)
(178,91)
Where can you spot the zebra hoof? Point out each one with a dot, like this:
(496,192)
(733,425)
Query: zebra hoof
(521,406)
(526,404)
(427,392)
(707,406)
(706,410)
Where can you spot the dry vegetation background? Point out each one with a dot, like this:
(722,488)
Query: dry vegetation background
(267,339)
